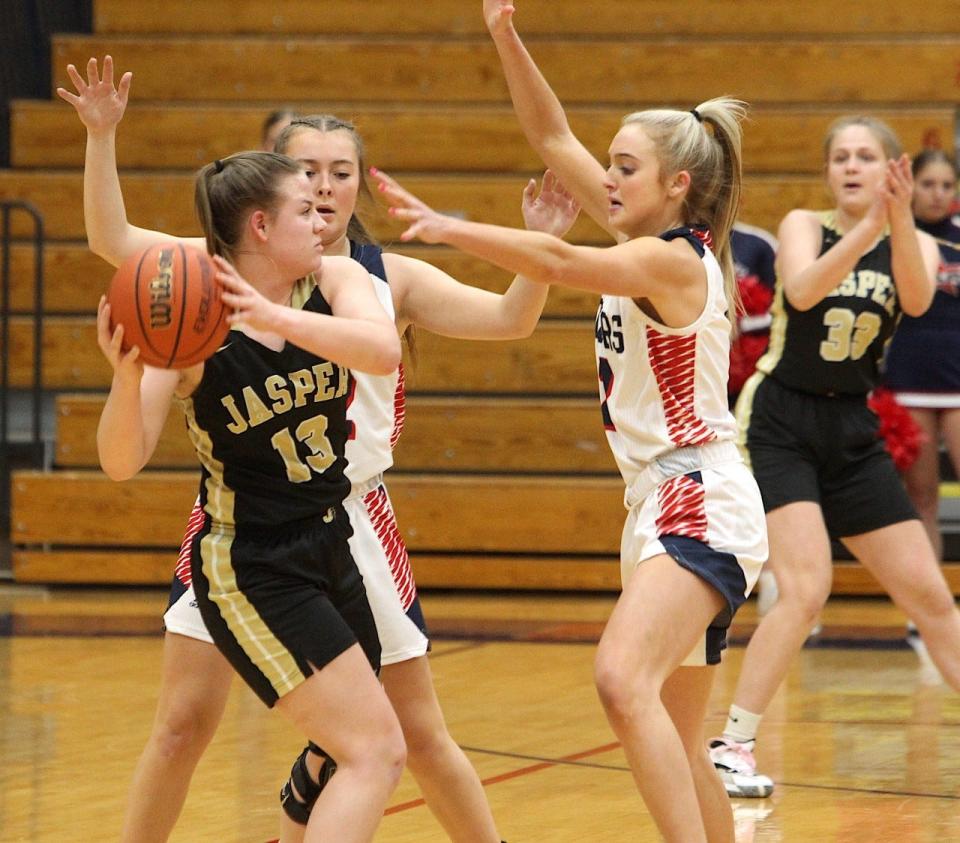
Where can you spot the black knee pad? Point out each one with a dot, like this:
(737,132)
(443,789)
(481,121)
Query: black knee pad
(300,792)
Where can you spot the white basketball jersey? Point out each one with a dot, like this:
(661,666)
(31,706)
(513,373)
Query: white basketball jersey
(376,410)
(664,388)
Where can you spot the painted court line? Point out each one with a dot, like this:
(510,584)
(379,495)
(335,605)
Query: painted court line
(513,774)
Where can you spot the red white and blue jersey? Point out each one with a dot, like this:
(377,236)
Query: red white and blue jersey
(754,253)
(664,388)
(923,359)
(378,404)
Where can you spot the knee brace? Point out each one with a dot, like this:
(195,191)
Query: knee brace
(300,792)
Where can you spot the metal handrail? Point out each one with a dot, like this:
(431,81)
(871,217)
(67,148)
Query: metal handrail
(6,209)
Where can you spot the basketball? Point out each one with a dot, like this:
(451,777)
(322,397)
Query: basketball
(168,301)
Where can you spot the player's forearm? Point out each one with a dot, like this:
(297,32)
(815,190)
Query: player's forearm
(538,257)
(104,212)
(365,345)
(538,109)
(521,307)
(915,287)
(120,433)
(809,287)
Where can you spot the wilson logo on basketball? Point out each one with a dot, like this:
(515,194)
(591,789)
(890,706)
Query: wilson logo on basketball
(206,299)
(161,290)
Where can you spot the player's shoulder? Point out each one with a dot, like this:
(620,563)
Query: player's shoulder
(803,219)
(337,268)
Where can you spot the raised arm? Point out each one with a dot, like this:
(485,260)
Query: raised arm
(136,408)
(669,273)
(429,298)
(542,117)
(100,107)
(914,254)
(359,334)
(806,275)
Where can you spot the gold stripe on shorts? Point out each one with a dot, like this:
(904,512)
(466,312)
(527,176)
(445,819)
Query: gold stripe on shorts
(253,635)
(744,412)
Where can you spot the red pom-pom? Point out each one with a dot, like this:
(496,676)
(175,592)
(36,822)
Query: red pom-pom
(902,436)
(755,296)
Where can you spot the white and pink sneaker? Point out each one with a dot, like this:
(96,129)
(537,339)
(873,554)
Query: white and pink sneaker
(738,769)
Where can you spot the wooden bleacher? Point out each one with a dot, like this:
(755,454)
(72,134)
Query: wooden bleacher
(425,137)
(164,200)
(503,478)
(416,70)
(454,18)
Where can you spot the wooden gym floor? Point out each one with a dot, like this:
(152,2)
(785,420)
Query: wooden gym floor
(862,741)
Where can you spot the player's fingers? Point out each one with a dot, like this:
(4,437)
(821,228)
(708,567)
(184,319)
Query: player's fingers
(409,234)
(64,94)
(530,191)
(116,341)
(226,273)
(123,89)
(389,186)
(76,78)
(406,213)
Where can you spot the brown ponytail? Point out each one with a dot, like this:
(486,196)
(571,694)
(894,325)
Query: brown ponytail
(227,190)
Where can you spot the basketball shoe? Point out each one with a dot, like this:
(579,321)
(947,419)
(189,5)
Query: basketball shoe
(735,763)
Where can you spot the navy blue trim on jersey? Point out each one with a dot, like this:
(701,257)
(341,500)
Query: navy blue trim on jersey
(370,257)
(695,237)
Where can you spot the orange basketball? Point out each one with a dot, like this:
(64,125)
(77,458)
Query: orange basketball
(169,304)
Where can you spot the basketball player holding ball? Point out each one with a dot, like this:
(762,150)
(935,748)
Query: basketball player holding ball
(275,582)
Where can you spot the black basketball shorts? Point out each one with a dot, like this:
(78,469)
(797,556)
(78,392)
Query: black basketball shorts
(284,602)
(824,449)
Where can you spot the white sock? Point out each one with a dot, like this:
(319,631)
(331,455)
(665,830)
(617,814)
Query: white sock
(742,725)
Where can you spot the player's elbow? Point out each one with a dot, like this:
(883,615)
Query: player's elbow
(521,327)
(116,466)
(117,472)
(918,304)
(104,248)
(386,353)
(797,299)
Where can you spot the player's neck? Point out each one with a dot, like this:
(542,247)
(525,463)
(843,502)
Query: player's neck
(338,248)
(847,218)
(263,275)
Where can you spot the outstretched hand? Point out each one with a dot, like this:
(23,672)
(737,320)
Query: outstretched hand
(99,104)
(126,365)
(425,223)
(554,210)
(498,15)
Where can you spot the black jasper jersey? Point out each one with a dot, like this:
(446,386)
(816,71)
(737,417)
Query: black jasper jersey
(835,347)
(270,428)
